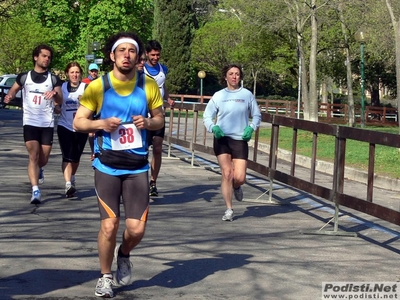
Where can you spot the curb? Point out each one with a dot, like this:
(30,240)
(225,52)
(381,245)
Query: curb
(387,183)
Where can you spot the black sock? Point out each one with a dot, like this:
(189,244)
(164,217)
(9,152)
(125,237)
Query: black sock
(152,182)
(122,254)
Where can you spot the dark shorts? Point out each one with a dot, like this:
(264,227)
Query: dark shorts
(226,145)
(152,133)
(133,188)
(44,135)
(72,144)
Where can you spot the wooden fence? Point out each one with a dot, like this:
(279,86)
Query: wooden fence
(186,129)
(327,112)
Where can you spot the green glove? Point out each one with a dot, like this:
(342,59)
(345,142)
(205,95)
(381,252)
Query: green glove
(218,133)
(248,131)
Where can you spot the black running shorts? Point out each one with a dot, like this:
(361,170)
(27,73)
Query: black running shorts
(71,143)
(226,145)
(44,135)
(153,133)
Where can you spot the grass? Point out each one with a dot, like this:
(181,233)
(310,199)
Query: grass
(387,159)
(183,114)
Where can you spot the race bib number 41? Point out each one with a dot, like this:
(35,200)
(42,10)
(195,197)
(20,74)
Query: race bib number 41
(127,136)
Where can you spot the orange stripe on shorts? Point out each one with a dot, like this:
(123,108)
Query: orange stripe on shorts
(108,210)
(145,214)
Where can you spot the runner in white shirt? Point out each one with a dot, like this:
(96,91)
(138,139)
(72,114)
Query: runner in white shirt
(158,72)
(72,143)
(41,91)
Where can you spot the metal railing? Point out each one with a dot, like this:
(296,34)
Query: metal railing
(186,129)
(328,112)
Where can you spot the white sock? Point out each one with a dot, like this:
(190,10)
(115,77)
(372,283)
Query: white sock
(68,183)
(35,188)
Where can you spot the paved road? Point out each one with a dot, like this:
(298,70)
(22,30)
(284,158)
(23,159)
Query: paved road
(49,251)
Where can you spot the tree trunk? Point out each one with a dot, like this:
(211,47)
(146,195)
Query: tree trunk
(324,91)
(396,28)
(350,97)
(304,87)
(375,100)
(397,38)
(313,65)
(255,73)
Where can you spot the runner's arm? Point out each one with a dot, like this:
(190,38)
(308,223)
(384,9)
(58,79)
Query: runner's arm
(12,92)
(170,101)
(156,121)
(55,94)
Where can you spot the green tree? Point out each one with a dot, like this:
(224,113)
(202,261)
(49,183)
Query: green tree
(78,24)
(19,35)
(174,25)
(7,8)
(213,46)
(235,35)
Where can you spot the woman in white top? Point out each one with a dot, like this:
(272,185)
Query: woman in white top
(72,143)
(227,116)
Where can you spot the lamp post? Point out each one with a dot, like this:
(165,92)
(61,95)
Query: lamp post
(299,84)
(201,75)
(361,37)
(96,47)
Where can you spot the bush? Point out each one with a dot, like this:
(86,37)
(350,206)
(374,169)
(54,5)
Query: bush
(277,97)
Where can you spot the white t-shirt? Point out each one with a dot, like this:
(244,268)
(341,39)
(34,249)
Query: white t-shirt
(38,111)
(70,105)
(158,74)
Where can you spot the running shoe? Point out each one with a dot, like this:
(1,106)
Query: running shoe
(124,268)
(238,193)
(228,216)
(153,190)
(104,287)
(73,182)
(41,176)
(36,197)
(69,190)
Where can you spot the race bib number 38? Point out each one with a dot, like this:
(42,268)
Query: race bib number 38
(127,136)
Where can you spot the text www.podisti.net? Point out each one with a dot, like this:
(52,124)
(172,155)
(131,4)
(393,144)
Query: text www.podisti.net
(361,290)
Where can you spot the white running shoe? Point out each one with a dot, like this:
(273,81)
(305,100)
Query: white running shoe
(228,216)
(36,196)
(104,287)
(69,190)
(41,176)
(124,268)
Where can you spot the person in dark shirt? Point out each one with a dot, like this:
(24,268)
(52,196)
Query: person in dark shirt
(93,74)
